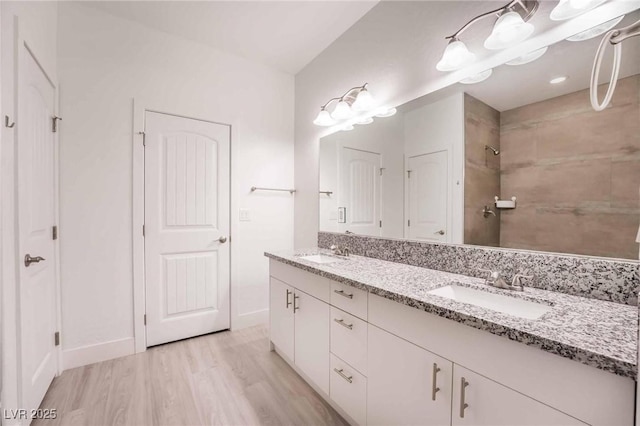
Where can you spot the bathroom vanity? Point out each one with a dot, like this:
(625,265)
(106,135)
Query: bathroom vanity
(389,343)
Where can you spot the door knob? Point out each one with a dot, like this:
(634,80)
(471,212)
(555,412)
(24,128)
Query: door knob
(222,239)
(28,260)
(440,232)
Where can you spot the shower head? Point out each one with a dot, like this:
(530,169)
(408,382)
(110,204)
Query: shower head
(495,151)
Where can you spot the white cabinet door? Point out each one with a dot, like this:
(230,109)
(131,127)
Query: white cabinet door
(485,402)
(312,338)
(281,317)
(406,385)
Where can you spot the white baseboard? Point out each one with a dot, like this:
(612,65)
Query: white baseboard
(250,319)
(86,355)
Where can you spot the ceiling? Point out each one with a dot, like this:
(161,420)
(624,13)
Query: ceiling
(285,35)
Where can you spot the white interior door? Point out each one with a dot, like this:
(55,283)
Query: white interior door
(36,204)
(359,193)
(187,178)
(427,177)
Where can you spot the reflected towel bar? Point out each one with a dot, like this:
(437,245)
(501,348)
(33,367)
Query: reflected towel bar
(255,188)
(327,192)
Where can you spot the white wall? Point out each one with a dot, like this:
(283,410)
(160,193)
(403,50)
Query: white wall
(106,61)
(395,48)
(36,23)
(439,126)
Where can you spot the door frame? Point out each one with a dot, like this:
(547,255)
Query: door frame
(11,330)
(140,108)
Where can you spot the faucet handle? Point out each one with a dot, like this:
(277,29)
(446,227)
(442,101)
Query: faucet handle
(493,275)
(517,279)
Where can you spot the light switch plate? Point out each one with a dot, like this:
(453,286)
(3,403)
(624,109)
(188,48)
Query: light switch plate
(244,215)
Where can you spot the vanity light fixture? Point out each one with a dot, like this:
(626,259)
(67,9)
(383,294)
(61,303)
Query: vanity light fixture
(386,112)
(568,9)
(510,28)
(597,30)
(480,77)
(529,57)
(356,99)
(558,80)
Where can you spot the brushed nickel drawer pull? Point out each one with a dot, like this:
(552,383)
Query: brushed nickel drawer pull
(342,323)
(463,405)
(295,305)
(343,294)
(289,292)
(434,383)
(344,376)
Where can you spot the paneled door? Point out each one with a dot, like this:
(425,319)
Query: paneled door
(187,178)
(36,204)
(427,178)
(359,192)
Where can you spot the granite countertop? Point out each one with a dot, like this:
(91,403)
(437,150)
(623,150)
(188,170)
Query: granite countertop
(594,332)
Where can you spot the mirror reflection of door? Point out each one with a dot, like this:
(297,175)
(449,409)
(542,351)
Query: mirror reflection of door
(427,197)
(359,192)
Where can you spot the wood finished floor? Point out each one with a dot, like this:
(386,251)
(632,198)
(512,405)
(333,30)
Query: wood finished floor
(227,378)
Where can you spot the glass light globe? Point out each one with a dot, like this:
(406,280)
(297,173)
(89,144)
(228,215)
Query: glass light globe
(510,29)
(567,9)
(455,56)
(364,101)
(342,111)
(324,119)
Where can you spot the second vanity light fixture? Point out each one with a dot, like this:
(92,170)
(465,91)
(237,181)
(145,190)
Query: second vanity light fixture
(356,100)
(510,29)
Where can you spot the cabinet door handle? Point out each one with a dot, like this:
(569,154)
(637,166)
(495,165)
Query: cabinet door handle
(288,294)
(343,294)
(295,305)
(434,382)
(344,376)
(344,324)
(463,405)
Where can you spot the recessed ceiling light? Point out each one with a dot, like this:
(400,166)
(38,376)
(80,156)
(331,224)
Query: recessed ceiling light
(558,80)
(597,30)
(528,57)
(481,76)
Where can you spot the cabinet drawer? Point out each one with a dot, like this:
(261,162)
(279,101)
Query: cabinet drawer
(349,390)
(350,299)
(349,339)
(315,285)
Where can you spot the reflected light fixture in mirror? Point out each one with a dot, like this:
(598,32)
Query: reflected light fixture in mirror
(365,120)
(347,127)
(568,9)
(596,31)
(478,78)
(386,112)
(509,30)
(528,57)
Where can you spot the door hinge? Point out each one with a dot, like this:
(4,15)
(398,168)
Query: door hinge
(54,233)
(56,338)
(409,222)
(145,319)
(144,138)
(408,174)
(143,230)
(54,123)
(381,170)
(380,224)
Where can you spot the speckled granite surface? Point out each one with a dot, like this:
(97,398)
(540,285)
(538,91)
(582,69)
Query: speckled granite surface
(611,280)
(594,332)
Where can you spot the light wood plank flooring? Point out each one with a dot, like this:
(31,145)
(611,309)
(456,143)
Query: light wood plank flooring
(227,378)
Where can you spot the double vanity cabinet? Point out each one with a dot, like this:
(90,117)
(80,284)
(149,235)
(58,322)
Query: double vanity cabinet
(379,361)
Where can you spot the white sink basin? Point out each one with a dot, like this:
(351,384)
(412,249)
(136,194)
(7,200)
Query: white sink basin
(496,302)
(321,258)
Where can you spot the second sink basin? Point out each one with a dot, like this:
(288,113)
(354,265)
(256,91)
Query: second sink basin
(321,258)
(496,302)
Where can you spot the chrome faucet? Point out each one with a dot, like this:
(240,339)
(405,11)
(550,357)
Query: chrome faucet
(495,279)
(340,251)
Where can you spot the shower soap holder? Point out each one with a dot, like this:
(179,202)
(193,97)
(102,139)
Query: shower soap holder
(505,204)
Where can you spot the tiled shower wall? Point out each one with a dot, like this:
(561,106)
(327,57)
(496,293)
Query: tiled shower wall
(576,173)
(610,280)
(481,172)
